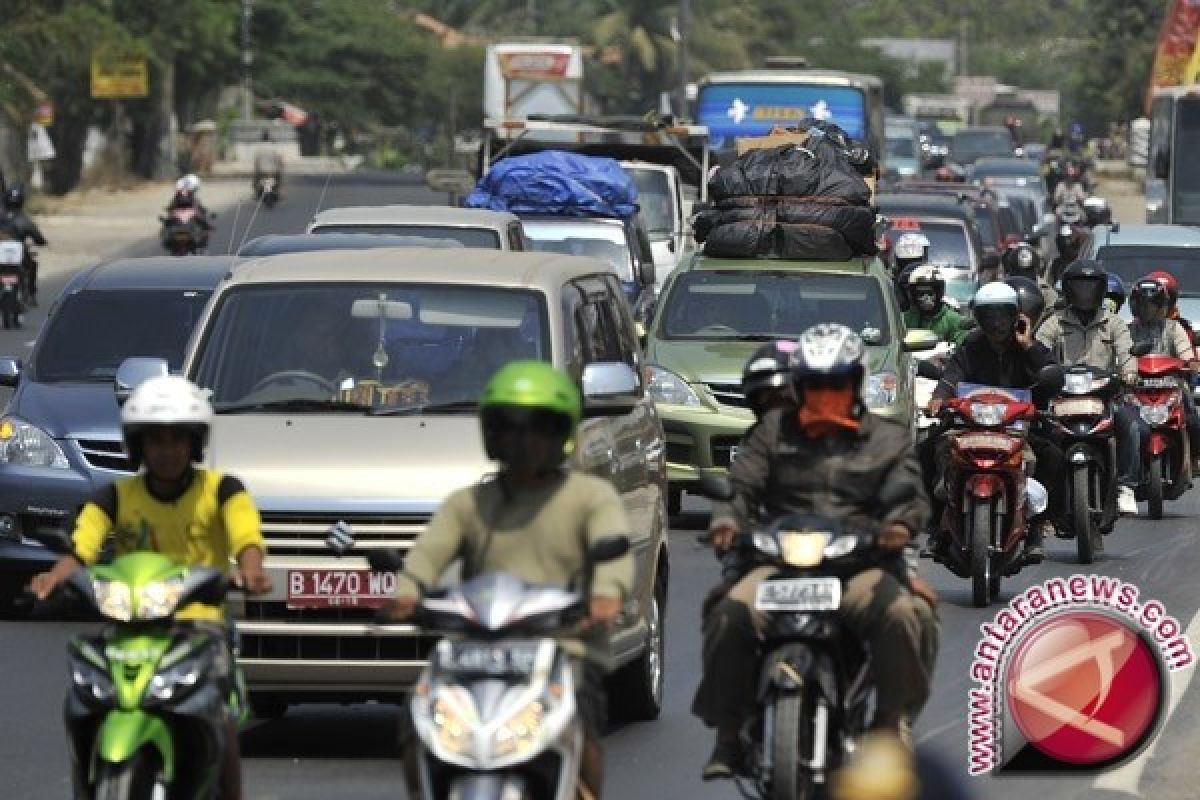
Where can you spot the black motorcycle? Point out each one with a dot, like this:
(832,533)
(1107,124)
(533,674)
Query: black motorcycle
(12,283)
(816,691)
(266,189)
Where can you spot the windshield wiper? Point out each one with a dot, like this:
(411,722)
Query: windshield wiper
(293,404)
(427,408)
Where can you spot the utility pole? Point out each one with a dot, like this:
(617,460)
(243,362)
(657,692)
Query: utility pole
(247,61)
(685,11)
(963,30)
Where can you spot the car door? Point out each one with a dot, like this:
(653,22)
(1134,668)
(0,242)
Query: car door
(589,342)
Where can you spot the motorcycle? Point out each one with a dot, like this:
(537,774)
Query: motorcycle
(816,690)
(494,709)
(182,233)
(12,282)
(1166,451)
(267,190)
(928,373)
(143,718)
(1081,421)
(989,495)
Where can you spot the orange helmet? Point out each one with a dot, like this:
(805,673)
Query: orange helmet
(1170,283)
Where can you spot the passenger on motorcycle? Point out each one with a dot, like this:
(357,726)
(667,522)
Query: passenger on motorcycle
(190,514)
(1031,302)
(1071,189)
(24,230)
(791,464)
(1069,243)
(535,519)
(1165,336)
(1084,332)
(1025,262)
(1171,284)
(927,308)
(1002,352)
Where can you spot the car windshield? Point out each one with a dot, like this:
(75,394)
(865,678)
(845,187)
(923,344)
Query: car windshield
(901,147)
(961,289)
(948,241)
(603,241)
(380,346)
(1132,263)
(93,331)
(987,226)
(739,304)
(970,146)
(482,238)
(1014,167)
(654,201)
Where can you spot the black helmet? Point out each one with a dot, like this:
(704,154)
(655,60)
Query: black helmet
(1022,260)
(1030,301)
(1148,292)
(769,368)
(1084,285)
(14,197)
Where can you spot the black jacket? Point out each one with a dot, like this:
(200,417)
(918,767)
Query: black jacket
(24,229)
(975,361)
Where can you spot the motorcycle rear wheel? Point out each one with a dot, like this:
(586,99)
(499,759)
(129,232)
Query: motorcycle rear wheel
(135,779)
(1154,487)
(981,556)
(790,779)
(1081,516)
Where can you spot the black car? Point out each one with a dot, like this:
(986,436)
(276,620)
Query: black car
(60,436)
(946,206)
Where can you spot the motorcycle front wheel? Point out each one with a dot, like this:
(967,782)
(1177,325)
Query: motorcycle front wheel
(135,779)
(1154,487)
(790,779)
(981,556)
(1081,516)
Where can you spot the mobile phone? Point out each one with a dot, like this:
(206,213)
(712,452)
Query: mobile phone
(1022,326)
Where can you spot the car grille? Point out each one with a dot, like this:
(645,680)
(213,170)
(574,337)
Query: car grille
(293,647)
(722,449)
(304,534)
(105,454)
(728,394)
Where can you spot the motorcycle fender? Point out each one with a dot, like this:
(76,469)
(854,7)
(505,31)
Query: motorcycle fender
(787,670)
(1159,443)
(984,486)
(123,733)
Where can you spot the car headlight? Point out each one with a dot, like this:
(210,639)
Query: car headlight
(113,599)
(25,445)
(158,599)
(664,386)
(880,391)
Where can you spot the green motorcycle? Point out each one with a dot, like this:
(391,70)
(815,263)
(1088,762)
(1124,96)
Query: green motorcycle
(147,712)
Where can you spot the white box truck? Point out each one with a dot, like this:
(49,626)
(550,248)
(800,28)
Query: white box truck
(524,78)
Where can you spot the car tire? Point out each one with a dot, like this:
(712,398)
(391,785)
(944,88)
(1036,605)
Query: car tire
(635,691)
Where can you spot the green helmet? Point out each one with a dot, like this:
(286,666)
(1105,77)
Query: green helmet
(534,385)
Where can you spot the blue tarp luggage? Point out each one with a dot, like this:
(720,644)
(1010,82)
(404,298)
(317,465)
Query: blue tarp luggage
(559,183)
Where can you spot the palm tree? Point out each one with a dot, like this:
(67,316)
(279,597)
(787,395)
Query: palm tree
(641,32)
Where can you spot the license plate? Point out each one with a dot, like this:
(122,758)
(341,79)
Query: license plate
(482,658)
(339,588)
(1158,383)
(800,594)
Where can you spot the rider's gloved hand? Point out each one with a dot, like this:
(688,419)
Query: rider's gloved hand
(398,609)
(894,537)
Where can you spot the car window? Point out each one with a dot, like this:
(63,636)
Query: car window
(949,243)
(1133,262)
(482,238)
(987,226)
(601,340)
(654,201)
(739,304)
(92,332)
(382,345)
(622,317)
(606,242)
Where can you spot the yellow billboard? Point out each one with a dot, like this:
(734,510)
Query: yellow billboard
(117,76)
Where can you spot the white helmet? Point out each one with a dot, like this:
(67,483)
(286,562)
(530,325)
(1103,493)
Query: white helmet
(911,246)
(188,183)
(828,350)
(995,308)
(166,401)
(996,293)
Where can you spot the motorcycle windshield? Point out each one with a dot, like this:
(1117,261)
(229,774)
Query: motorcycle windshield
(1002,394)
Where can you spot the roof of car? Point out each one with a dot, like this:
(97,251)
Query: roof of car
(1154,235)
(414,215)
(468,266)
(945,204)
(156,272)
(996,161)
(275,244)
(852,266)
(565,220)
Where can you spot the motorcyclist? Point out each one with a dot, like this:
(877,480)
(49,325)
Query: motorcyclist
(190,514)
(927,308)
(909,251)
(1084,332)
(828,457)
(1002,352)
(534,519)
(1071,189)
(1171,284)
(187,195)
(24,230)
(1031,301)
(1024,261)
(267,163)
(1069,242)
(1149,303)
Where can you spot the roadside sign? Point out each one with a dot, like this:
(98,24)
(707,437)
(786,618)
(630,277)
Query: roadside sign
(117,75)
(453,181)
(44,114)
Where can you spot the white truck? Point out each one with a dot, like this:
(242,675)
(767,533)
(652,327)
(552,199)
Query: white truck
(534,77)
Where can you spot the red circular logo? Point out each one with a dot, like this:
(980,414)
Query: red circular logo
(1083,688)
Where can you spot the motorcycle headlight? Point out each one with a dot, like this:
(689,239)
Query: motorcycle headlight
(455,720)
(92,681)
(158,599)
(528,729)
(803,549)
(1079,383)
(766,544)
(1156,415)
(989,414)
(880,391)
(113,599)
(25,445)
(178,680)
(664,386)
(841,546)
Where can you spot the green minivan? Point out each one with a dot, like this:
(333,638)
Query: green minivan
(713,313)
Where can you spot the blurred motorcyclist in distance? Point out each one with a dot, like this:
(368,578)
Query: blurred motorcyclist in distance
(909,251)
(25,231)
(1024,261)
(1069,242)
(1071,188)
(187,195)
(268,163)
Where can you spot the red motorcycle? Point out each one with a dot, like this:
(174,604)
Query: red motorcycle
(1166,450)
(984,525)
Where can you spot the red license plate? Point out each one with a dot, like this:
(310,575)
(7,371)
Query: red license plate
(339,588)
(9,280)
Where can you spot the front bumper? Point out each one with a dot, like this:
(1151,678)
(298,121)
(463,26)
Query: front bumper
(33,499)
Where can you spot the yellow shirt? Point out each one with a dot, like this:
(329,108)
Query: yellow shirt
(208,525)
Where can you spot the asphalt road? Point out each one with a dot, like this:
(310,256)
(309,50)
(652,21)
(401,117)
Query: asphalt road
(322,752)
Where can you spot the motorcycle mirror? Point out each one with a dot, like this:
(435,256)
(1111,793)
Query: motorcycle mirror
(1140,349)
(610,548)
(715,486)
(1050,380)
(385,560)
(929,370)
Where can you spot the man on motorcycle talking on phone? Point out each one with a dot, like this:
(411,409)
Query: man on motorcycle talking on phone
(534,519)
(827,456)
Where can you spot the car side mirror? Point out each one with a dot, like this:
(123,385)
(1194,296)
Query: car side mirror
(610,389)
(646,273)
(10,371)
(715,486)
(918,341)
(135,371)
